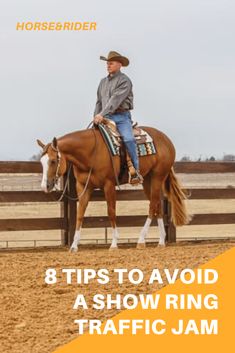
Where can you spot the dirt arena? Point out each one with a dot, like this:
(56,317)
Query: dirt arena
(38,318)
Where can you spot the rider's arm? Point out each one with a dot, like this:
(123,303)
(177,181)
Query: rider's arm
(119,94)
(98,105)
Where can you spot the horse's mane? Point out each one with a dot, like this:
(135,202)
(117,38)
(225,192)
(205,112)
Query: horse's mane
(73,134)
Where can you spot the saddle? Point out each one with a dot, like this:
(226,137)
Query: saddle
(113,139)
(140,135)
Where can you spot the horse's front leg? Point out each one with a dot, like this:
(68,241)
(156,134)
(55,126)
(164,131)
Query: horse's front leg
(110,196)
(82,205)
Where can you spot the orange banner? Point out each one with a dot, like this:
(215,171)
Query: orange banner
(202,330)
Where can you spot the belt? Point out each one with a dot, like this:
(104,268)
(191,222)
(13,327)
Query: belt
(121,111)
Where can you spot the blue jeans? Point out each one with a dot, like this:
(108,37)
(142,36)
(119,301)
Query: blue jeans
(124,126)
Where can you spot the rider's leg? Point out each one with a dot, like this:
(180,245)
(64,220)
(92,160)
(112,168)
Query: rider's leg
(124,126)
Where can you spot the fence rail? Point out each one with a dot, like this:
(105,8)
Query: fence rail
(67,220)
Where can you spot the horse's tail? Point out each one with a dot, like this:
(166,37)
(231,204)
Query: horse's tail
(177,196)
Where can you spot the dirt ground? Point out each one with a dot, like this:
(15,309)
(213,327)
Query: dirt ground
(36,317)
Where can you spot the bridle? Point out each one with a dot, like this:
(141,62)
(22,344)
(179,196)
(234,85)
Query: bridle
(57,176)
(56,149)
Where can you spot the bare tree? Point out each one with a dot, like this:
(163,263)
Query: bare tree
(35,157)
(185,159)
(229,157)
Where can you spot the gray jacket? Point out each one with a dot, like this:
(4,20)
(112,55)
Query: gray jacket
(114,93)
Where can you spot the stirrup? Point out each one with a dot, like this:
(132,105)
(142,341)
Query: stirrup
(135,178)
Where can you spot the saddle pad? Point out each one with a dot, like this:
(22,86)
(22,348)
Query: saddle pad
(143,149)
(109,139)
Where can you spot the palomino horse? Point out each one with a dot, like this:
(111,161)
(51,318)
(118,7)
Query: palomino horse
(93,168)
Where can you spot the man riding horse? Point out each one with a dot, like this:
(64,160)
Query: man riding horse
(114,101)
(87,153)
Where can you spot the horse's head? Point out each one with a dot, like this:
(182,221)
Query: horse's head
(51,164)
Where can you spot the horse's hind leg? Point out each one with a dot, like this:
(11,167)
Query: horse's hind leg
(144,230)
(152,188)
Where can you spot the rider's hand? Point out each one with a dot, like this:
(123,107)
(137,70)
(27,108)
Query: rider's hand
(98,119)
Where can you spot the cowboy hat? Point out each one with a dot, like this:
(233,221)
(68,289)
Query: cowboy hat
(114,56)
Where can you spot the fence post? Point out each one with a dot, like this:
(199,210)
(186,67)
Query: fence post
(72,207)
(170,228)
(106,235)
(64,214)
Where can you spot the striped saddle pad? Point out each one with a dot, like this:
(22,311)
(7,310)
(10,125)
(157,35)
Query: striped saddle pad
(145,144)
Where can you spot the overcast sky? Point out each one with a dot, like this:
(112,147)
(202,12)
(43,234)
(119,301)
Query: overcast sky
(182,66)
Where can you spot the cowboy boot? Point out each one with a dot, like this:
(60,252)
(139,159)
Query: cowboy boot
(135,178)
(134,174)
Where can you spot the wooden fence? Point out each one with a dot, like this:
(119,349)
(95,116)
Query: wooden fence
(67,220)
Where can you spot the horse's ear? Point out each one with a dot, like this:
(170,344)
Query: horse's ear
(54,142)
(40,143)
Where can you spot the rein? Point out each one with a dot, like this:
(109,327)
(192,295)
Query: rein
(69,170)
(89,174)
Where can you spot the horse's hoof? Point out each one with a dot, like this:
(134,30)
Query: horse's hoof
(113,248)
(141,246)
(73,250)
(161,245)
